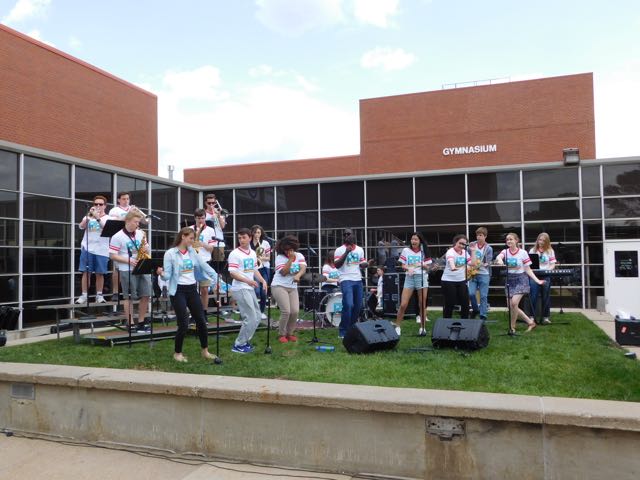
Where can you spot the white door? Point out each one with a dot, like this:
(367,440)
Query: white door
(622,283)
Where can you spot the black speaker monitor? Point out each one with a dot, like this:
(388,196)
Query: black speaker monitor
(465,334)
(371,336)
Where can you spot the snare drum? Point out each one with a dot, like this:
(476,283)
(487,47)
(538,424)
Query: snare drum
(331,309)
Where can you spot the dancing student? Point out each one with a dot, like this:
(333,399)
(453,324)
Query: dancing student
(290,266)
(415,260)
(260,245)
(547,262)
(96,258)
(243,268)
(331,273)
(454,278)
(481,261)
(349,259)
(182,269)
(518,268)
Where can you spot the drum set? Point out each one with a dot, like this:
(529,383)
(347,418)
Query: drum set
(327,307)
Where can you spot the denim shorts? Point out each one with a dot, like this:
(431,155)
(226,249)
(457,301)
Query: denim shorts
(97,263)
(415,282)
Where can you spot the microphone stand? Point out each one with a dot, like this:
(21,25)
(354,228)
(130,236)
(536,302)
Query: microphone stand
(314,279)
(87,316)
(130,319)
(267,349)
(218,360)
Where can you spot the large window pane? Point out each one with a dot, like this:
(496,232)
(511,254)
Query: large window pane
(90,183)
(46,208)
(440,214)
(8,170)
(559,232)
(486,187)
(47,177)
(254,200)
(342,195)
(497,233)
(592,231)
(622,207)
(593,253)
(622,229)
(333,237)
(8,233)
(590,181)
(551,210)
(494,212)
(43,260)
(137,190)
(591,208)
(395,191)
(8,260)
(565,253)
(621,179)
(342,218)
(298,221)
(297,197)
(188,201)
(440,189)
(8,204)
(165,221)
(45,234)
(265,220)
(383,217)
(8,288)
(557,183)
(441,234)
(224,197)
(162,241)
(42,287)
(164,197)
(594,276)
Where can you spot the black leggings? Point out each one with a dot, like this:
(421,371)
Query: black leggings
(455,293)
(187,296)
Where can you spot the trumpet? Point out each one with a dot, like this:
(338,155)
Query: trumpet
(92,213)
(222,211)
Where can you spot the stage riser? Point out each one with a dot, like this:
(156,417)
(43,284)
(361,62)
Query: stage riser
(323,427)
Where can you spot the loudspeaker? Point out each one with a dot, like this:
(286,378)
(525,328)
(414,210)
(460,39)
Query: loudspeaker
(627,331)
(371,336)
(392,285)
(464,334)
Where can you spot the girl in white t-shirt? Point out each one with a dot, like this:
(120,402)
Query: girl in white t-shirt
(517,285)
(290,266)
(331,273)
(547,262)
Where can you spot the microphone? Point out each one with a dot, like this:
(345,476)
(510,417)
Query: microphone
(155,217)
(311,250)
(269,239)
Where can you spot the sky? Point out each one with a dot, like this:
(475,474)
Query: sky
(264,80)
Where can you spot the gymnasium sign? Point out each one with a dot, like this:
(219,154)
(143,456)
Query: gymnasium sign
(469,149)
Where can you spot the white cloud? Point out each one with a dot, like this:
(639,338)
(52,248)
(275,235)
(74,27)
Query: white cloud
(295,17)
(75,42)
(259,122)
(35,33)
(375,12)
(387,58)
(617,104)
(25,9)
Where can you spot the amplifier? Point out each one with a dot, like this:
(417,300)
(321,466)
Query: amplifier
(627,331)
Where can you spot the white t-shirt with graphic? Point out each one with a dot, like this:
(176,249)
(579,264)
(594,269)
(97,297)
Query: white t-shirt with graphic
(515,262)
(330,272)
(245,263)
(350,269)
(217,229)
(460,260)
(414,260)
(119,213)
(287,280)
(97,245)
(187,276)
(206,238)
(547,258)
(119,243)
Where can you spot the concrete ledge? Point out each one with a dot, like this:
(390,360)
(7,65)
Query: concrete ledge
(329,427)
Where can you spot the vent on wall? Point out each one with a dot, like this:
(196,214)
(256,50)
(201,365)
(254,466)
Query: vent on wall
(25,391)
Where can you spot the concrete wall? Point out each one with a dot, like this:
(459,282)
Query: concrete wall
(53,101)
(338,428)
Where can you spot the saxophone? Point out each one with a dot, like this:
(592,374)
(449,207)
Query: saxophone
(259,253)
(197,244)
(143,250)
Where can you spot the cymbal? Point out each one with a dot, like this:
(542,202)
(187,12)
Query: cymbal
(314,277)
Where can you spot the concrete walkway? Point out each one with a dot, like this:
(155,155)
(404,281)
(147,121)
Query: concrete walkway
(28,458)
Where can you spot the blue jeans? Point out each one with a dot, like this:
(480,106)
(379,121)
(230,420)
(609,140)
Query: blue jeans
(351,304)
(545,292)
(479,282)
(260,292)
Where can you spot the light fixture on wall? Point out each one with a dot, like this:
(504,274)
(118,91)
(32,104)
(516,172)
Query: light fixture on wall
(571,156)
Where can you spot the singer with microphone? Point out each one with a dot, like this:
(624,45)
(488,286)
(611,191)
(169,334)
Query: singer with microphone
(349,259)
(290,266)
(454,278)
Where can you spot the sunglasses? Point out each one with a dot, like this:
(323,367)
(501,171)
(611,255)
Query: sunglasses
(211,203)
(98,204)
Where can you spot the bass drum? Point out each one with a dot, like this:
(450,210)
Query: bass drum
(330,310)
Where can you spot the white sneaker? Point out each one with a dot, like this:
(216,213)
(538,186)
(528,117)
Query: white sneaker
(100,299)
(417,318)
(81,299)
(422,332)
(398,330)
(263,316)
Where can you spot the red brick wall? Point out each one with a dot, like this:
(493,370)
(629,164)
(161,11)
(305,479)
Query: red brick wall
(529,121)
(53,101)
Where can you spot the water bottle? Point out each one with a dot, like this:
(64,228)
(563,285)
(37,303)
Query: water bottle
(325,348)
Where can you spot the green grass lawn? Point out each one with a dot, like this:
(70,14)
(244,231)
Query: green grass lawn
(572,359)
